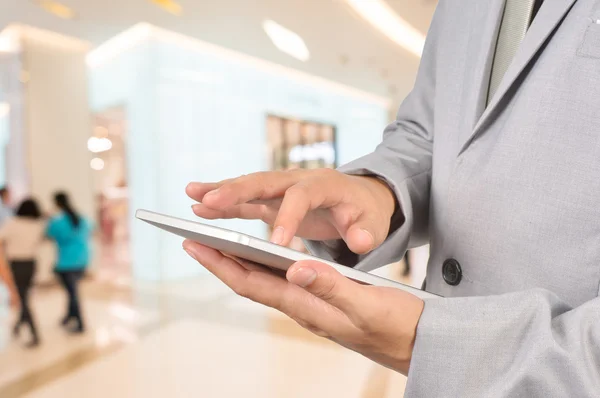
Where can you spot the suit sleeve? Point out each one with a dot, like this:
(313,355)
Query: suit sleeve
(524,344)
(403,160)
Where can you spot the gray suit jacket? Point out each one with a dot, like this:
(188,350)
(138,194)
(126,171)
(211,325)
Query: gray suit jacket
(510,191)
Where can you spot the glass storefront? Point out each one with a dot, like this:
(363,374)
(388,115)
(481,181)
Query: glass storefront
(301,144)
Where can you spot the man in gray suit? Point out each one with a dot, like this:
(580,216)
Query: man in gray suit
(495,160)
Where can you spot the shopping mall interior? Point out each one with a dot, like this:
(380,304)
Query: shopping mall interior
(121,104)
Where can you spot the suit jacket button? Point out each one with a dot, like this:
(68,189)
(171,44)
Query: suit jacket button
(452,272)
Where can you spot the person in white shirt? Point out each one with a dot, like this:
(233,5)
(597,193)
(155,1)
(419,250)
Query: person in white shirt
(20,240)
(5,209)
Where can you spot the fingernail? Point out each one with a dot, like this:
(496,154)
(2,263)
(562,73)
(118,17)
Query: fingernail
(190,187)
(370,237)
(303,277)
(277,236)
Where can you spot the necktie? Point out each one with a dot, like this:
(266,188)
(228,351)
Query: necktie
(515,22)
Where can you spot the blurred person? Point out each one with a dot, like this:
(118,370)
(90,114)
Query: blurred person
(493,159)
(71,232)
(20,238)
(107,221)
(7,279)
(5,209)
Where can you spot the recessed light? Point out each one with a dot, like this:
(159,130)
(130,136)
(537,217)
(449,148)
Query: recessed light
(97,145)
(384,19)
(170,6)
(57,9)
(119,44)
(97,164)
(286,41)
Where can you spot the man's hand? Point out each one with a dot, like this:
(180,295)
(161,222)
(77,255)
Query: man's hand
(318,204)
(379,323)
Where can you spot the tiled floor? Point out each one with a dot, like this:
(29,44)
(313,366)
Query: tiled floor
(183,339)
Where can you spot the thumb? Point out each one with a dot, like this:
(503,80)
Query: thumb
(365,234)
(327,284)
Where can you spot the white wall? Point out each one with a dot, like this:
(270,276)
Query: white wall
(14,159)
(57,123)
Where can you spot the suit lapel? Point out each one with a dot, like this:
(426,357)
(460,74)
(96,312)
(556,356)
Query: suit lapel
(487,19)
(548,18)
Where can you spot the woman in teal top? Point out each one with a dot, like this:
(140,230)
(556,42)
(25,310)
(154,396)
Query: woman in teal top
(72,233)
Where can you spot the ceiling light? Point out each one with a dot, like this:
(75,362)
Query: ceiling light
(57,9)
(119,44)
(97,164)
(383,18)
(286,40)
(169,6)
(97,145)
(10,40)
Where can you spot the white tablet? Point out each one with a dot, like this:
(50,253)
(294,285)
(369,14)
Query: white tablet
(257,250)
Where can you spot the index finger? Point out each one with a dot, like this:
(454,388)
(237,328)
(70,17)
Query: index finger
(197,190)
(245,189)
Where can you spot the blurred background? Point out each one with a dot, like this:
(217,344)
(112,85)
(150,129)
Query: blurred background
(120,105)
